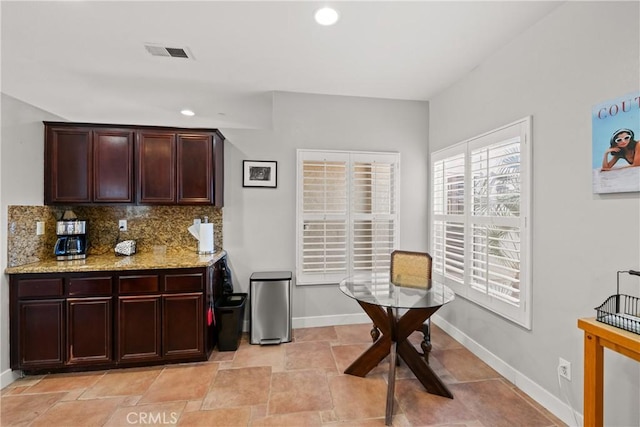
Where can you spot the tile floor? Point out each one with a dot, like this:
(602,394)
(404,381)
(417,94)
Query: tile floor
(294,384)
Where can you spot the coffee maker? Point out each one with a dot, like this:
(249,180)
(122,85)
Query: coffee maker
(72,240)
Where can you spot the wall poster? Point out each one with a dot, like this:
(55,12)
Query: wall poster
(616,149)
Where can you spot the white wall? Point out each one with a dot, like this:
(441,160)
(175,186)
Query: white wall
(21,183)
(582,54)
(259,224)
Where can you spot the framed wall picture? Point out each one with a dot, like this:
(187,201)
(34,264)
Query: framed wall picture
(259,173)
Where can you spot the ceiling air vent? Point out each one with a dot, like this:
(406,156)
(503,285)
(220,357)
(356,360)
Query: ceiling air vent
(173,52)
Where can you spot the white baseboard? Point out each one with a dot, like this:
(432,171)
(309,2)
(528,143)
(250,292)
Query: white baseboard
(554,405)
(335,320)
(8,376)
(317,321)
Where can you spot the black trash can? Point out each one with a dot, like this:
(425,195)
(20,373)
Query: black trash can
(230,317)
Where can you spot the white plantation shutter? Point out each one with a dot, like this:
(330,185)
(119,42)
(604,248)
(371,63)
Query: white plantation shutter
(324,251)
(495,262)
(495,220)
(479,223)
(448,213)
(347,214)
(324,247)
(373,212)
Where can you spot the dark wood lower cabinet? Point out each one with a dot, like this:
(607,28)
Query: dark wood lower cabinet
(182,325)
(72,322)
(89,330)
(139,328)
(41,337)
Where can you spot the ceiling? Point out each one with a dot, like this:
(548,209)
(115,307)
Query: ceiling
(86,61)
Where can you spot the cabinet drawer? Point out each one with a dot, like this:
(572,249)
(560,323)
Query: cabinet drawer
(138,284)
(184,282)
(89,286)
(30,288)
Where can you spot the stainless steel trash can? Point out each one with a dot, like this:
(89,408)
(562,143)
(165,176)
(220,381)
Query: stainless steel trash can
(270,301)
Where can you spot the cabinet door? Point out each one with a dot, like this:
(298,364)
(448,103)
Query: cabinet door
(213,282)
(195,168)
(139,328)
(89,330)
(41,332)
(182,326)
(218,170)
(68,168)
(156,160)
(113,166)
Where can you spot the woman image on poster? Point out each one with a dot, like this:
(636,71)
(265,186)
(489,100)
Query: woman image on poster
(622,146)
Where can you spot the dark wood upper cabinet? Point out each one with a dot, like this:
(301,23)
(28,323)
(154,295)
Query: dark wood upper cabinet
(194,168)
(92,163)
(156,162)
(68,155)
(218,170)
(179,168)
(113,166)
(85,165)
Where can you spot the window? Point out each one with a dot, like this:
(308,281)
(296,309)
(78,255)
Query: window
(347,214)
(480,220)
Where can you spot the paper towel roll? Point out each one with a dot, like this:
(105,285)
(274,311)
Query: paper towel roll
(205,245)
(195,231)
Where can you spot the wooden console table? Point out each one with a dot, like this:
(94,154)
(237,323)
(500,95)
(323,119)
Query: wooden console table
(597,336)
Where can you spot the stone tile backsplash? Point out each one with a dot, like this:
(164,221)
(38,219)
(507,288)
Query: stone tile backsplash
(149,226)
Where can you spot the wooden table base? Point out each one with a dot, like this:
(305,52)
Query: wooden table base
(395,331)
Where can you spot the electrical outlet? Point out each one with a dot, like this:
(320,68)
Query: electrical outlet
(39,228)
(122,225)
(564,369)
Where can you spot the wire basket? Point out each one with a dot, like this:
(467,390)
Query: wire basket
(621,311)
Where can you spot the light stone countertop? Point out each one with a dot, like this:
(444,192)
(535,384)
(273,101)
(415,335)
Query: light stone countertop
(110,262)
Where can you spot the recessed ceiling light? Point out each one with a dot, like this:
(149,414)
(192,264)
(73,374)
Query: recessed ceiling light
(326,16)
(186,112)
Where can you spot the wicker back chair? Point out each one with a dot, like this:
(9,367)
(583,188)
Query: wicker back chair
(411,269)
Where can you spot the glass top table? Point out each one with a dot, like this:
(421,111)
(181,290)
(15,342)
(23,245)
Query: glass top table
(382,300)
(379,290)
